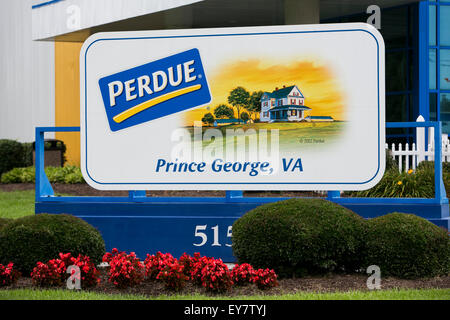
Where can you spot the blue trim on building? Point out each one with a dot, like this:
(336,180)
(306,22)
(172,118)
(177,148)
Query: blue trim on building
(46,3)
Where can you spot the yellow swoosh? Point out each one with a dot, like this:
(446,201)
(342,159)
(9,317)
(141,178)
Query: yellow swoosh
(152,102)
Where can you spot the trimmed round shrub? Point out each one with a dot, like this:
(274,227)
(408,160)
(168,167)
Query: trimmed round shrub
(40,238)
(11,155)
(407,246)
(4,222)
(300,236)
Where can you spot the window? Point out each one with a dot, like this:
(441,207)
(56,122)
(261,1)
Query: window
(445,68)
(439,63)
(432,68)
(432,25)
(444,21)
(433,107)
(400,31)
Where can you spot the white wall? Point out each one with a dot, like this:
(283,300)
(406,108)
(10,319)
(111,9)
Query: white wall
(27,79)
(52,20)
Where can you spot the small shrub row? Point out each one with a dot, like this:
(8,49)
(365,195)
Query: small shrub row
(67,175)
(14,154)
(299,236)
(314,236)
(212,274)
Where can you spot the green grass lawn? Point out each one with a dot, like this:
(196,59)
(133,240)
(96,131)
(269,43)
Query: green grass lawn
(429,294)
(16,204)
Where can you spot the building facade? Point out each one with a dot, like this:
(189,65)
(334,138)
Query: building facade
(40,64)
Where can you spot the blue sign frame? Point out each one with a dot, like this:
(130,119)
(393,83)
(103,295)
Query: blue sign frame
(148,224)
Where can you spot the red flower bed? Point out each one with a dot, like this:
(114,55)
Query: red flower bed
(154,264)
(107,257)
(48,274)
(8,275)
(126,270)
(90,276)
(173,276)
(242,274)
(265,279)
(188,262)
(213,274)
(53,273)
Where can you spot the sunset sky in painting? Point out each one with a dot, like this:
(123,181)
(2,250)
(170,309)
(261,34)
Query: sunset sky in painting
(315,80)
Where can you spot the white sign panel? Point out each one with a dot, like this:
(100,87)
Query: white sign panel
(260,108)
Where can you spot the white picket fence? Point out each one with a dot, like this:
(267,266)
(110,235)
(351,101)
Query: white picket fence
(409,156)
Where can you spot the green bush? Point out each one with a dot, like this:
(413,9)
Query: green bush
(27,154)
(429,166)
(391,163)
(418,184)
(19,175)
(67,174)
(11,155)
(42,237)
(407,246)
(395,184)
(4,222)
(300,236)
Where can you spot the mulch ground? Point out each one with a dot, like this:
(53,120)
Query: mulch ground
(322,284)
(86,190)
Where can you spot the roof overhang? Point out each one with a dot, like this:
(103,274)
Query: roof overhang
(54,19)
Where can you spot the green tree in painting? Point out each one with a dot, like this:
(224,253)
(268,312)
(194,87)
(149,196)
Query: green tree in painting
(208,118)
(239,98)
(245,116)
(223,111)
(254,103)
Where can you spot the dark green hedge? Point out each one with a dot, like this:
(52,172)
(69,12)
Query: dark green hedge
(4,222)
(42,237)
(12,155)
(300,236)
(407,246)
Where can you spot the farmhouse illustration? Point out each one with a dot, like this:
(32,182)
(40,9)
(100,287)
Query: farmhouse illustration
(287,104)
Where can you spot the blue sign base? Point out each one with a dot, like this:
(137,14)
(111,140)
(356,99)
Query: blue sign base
(177,225)
(198,225)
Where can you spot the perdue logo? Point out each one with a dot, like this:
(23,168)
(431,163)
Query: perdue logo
(155,90)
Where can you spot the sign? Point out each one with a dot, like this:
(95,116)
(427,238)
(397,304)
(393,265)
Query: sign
(257,108)
(154,90)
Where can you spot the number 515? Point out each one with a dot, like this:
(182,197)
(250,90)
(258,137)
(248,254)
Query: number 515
(200,233)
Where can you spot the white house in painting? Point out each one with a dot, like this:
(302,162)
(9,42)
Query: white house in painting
(285,104)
